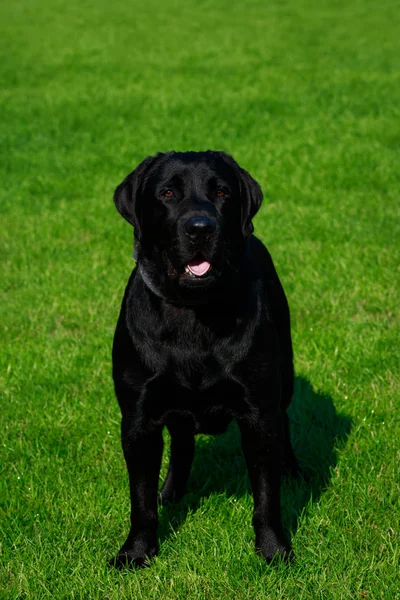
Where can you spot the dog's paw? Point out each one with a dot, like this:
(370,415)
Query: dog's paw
(170,493)
(271,547)
(169,496)
(281,552)
(132,559)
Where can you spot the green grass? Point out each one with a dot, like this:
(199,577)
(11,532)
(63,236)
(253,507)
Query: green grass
(306,96)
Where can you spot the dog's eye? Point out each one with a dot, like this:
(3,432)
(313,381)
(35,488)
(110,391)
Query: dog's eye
(220,194)
(168,194)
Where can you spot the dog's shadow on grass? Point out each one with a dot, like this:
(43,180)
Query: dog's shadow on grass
(317,432)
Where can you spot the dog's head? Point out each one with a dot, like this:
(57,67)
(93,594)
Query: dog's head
(192,214)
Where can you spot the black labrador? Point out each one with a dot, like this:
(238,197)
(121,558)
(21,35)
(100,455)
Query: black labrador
(203,337)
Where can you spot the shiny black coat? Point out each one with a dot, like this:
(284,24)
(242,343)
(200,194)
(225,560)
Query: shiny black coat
(194,352)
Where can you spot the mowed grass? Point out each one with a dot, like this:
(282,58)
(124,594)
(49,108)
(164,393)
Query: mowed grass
(306,96)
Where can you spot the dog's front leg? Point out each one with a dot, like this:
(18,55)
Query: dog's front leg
(143,452)
(262,444)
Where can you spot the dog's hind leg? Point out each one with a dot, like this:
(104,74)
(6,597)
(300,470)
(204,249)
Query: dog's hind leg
(290,464)
(180,462)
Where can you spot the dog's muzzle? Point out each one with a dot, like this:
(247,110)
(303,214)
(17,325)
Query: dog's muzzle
(198,230)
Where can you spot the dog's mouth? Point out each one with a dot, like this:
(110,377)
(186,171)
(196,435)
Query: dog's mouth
(198,270)
(198,267)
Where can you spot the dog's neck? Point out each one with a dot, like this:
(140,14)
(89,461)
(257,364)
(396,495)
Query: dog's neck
(160,288)
(149,283)
(217,298)
(147,280)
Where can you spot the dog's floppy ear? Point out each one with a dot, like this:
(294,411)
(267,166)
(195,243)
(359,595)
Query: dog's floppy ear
(127,193)
(251,200)
(251,195)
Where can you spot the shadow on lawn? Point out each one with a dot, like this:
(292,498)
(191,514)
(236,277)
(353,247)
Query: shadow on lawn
(317,430)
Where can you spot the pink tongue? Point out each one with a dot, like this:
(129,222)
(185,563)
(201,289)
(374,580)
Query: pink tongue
(199,268)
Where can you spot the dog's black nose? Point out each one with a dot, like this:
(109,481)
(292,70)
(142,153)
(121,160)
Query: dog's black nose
(199,226)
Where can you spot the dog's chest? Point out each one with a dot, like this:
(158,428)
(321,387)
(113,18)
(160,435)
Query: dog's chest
(194,355)
(195,377)
(195,364)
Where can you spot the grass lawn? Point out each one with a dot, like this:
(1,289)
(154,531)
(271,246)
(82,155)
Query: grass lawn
(306,96)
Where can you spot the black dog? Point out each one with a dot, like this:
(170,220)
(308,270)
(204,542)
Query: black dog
(203,337)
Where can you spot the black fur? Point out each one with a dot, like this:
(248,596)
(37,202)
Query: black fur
(194,352)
